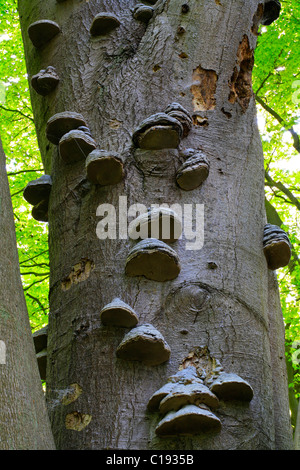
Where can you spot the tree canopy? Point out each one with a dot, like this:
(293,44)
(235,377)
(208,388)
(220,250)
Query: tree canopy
(276,86)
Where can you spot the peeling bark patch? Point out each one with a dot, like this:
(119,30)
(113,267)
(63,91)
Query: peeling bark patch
(241,80)
(199,121)
(72,394)
(204,89)
(80,272)
(257,19)
(201,359)
(77,421)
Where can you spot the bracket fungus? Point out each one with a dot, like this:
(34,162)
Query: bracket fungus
(62,123)
(229,386)
(271,12)
(143,12)
(178,112)
(193,172)
(276,246)
(153,259)
(119,314)
(104,168)
(40,338)
(42,31)
(104,23)
(145,344)
(37,193)
(186,403)
(187,421)
(76,145)
(159,131)
(45,81)
(160,223)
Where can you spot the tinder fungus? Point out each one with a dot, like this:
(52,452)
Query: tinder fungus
(41,358)
(161,223)
(231,387)
(178,112)
(37,193)
(62,123)
(188,421)
(119,314)
(159,131)
(45,81)
(145,344)
(143,12)
(103,24)
(193,172)
(190,394)
(271,12)
(40,339)
(41,32)
(154,260)
(75,146)
(104,168)
(276,246)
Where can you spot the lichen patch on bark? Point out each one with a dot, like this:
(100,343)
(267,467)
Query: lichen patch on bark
(204,89)
(80,272)
(77,421)
(241,80)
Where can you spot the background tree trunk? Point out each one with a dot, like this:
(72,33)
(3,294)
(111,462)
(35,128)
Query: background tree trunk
(24,422)
(116,82)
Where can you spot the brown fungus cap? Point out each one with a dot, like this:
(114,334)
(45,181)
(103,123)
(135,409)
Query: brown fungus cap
(276,246)
(193,172)
(38,190)
(229,386)
(156,398)
(62,123)
(154,260)
(161,223)
(42,363)
(272,10)
(178,112)
(119,314)
(75,146)
(45,81)
(189,420)
(157,132)
(41,32)
(145,344)
(104,23)
(104,168)
(143,12)
(40,339)
(40,211)
(191,394)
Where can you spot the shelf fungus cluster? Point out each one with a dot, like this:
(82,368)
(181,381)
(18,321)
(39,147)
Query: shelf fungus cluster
(163,130)
(45,81)
(160,223)
(154,260)
(194,171)
(276,246)
(37,193)
(104,23)
(41,32)
(187,401)
(186,404)
(70,132)
(144,344)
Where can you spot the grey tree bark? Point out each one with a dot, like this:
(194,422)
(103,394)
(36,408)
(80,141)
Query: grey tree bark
(224,298)
(24,421)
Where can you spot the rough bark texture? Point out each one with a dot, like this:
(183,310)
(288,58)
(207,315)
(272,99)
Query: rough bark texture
(202,59)
(24,422)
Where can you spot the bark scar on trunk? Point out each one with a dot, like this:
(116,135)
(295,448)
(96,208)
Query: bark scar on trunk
(204,89)
(241,80)
(80,272)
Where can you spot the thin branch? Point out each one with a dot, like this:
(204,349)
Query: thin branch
(17,111)
(296,140)
(33,257)
(37,301)
(26,171)
(34,274)
(35,282)
(283,189)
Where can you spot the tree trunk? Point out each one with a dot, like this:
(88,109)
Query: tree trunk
(24,422)
(225,298)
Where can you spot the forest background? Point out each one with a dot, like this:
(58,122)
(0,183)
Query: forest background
(276,87)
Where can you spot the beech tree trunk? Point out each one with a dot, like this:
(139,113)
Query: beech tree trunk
(24,422)
(225,298)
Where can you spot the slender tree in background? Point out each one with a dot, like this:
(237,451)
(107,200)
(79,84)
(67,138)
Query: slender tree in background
(24,422)
(225,299)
